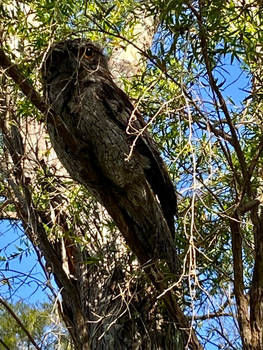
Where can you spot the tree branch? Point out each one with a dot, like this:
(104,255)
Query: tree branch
(210,316)
(19,323)
(13,72)
(215,88)
(241,300)
(4,344)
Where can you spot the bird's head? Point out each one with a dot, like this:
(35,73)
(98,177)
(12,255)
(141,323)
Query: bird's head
(78,57)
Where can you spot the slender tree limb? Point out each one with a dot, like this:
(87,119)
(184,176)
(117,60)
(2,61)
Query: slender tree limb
(13,72)
(234,223)
(204,125)
(20,323)
(4,344)
(210,316)
(215,88)
(222,334)
(242,209)
(254,161)
(251,168)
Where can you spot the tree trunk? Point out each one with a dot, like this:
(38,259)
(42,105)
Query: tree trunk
(104,305)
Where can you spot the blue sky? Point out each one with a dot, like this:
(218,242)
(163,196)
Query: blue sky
(26,275)
(237,83)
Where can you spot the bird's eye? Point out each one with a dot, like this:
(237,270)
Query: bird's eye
(89,53)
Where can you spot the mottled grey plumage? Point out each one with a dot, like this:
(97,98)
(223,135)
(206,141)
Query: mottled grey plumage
(137,193)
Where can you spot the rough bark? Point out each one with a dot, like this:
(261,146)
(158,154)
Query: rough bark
(98,305)
(97,114)
(121,310)
(103,305)
(256,289)
(35,223)
(249,306)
